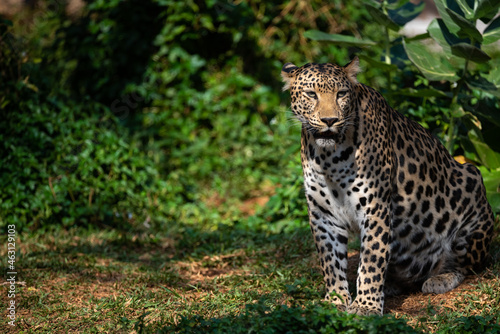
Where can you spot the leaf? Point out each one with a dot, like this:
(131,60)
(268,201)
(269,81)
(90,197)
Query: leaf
(378,64)
(440,33)
(469,52)
(494,75)
(486,10)
(487,110)
(491,180)
(479,82)
(394,5)
(457,111)
(441,6)
(406,13)
(469,13)
(341,39)
(381,18)
(425,92)
(432,65)
(488,157)
(466,27)
(492,32)
(418,37)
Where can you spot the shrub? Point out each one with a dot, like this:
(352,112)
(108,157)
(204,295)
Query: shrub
(63,169)
(66,163)
(309,318)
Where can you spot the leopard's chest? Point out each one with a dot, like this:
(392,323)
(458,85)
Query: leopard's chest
(335,186)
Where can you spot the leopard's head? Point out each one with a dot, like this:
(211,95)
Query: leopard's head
(322,97)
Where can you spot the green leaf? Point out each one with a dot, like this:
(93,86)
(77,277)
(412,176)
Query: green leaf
(469,13)
(381,18)
(405,13)
(486,10)
(432,65)
(418,37)
(441,7)
(396,4)
(492,32)
(466,27)
(491,180)
(340,39)
(440,33)
(457,111)
(488,157)
(378,64)
(494,75)
(425,92)
(479,82)
(485,109)
(469,52)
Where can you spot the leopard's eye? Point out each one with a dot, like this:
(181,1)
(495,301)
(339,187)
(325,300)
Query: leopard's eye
(312,95)
(342,93)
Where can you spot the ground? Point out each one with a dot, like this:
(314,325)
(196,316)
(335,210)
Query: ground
(107,280)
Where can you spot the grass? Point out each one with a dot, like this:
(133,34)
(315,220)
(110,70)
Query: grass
(188,279)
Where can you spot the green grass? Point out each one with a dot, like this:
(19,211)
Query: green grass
(224,279)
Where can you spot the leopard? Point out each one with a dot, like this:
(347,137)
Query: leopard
(422,218)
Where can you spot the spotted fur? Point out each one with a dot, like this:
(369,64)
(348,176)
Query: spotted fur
(423,218)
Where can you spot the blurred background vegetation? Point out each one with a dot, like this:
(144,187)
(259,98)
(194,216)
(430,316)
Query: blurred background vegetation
(143,114)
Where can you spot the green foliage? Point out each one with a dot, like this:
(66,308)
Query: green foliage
(286,210)
(74,170)
(461,43)
(457,322)
(307,318)
(475,324)
(136,117)
(8,61)
(66,163)
(109,47)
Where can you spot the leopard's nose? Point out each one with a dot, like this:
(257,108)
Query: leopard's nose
(329,120)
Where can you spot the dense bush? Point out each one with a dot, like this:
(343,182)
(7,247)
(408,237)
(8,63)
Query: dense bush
(128,94)
(65,162)
(70,164)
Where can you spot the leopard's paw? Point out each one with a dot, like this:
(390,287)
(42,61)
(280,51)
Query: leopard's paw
(356,308)
(341,307)
(339,301)
(442,283)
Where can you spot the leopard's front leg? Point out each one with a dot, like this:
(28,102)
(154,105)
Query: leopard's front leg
(374,258)
(331,244)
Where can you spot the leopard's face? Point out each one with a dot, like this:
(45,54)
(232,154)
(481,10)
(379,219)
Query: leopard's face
(322,97)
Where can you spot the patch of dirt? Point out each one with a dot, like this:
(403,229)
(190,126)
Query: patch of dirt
(210,267)
(249,206)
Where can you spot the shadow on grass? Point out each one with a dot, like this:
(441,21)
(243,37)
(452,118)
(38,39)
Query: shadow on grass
(83,253)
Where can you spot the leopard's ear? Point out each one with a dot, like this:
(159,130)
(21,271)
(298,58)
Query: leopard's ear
(352,69)
(288,74)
